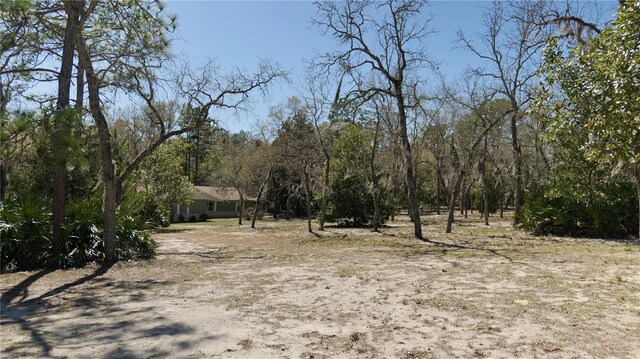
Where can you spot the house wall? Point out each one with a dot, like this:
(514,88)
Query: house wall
(197,207)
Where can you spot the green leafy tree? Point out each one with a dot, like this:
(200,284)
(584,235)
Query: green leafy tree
(352,192)
(598,112)
(161,181)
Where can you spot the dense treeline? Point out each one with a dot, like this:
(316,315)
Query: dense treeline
(547,125)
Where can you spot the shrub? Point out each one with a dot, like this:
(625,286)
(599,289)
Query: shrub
(203,217)
(351,203)
(494,199)
(152,213)
(25,228)
(133,242)
(611,212)
(193,218)
(181,218)
(84,227)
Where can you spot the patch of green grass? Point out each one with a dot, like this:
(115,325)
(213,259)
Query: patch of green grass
(351,271)
(242,301)
(246,343)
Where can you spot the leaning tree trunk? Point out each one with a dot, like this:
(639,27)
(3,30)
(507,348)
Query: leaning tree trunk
(307,188)
(61,132)
(260,191)
(452,201)
(106,155)
(412,194)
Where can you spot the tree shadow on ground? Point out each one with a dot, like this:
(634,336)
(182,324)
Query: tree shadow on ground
(417,249)
(455,246)
(172,230)
(94,312)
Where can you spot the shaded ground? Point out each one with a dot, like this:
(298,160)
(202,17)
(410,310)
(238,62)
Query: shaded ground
(222,290)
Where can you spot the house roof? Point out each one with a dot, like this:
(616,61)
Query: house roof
(218,194)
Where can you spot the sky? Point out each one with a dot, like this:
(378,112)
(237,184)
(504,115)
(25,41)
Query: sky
(238,33)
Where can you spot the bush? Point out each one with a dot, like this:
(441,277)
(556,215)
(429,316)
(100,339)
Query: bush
(494,199)
(152,213)
(84,225)
(25,228)
(193,218)
(133,242)
(203,217)
(612,212)
(351,203)
(181,218)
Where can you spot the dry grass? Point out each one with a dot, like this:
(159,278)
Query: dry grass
(222,290)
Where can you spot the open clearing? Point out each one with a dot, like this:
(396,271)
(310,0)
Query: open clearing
(221,290)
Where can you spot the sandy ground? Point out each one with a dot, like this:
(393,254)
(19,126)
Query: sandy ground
(219,290)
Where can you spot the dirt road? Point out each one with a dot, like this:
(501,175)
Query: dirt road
(219,290)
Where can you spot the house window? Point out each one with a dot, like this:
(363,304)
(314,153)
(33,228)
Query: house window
(210,206)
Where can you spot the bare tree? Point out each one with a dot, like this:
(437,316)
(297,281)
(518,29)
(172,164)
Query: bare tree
(509,51)
(298,146)
(383,38)
(321,106)
(482,113)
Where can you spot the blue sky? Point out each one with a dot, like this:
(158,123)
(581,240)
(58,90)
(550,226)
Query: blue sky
(237,33)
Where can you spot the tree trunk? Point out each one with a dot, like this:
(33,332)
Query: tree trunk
(241,213)
(468,203)
(517,153)
(437,189)
(119,189)
(307,188)
(452,201)
(325,192)
(485,195)
(501,199)
(3,180)
(80,90)
(61,133)
(260,190)
(463,203)
(106,156)
(462,198)
(485,190)
(412,194)
(637,175)
(196,166)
